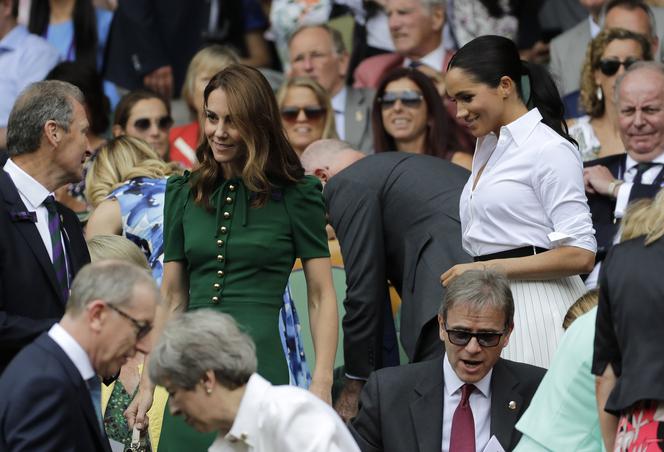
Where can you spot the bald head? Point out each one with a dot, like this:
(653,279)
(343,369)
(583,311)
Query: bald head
(325,158)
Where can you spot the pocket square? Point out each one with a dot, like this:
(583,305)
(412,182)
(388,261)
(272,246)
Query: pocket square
(23,216)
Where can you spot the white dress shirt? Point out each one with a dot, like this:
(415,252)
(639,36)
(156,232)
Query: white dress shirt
(530,193)
(480,404)
(434,60)
(594,27)
(339,106)
(73,350)
(33,194)
(284,419)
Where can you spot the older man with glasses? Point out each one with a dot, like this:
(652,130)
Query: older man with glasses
(482,395)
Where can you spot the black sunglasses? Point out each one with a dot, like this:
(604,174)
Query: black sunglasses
(142,328)
(311,113)
(610,67)
(164,123)
(458,337)
(410,99)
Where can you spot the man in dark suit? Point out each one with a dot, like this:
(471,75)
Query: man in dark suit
(482,396)
(318,51)
(397,219)
(50,395)
(614,181)
(41,245)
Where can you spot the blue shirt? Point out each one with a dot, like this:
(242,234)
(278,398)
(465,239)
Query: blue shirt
(24,58)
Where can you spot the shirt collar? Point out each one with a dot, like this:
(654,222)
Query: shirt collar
(594,26)
(453,383)
(433,59)
(73,350)
(34,192)
(13,39)
(521,128)
(631,163)
(339,100)
(245,427)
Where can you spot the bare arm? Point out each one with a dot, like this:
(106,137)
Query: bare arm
(106,219)
(175,297)
(608,423)
(553,264)
(324,323)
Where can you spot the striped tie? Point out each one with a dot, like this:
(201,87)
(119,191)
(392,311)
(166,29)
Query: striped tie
(59,263)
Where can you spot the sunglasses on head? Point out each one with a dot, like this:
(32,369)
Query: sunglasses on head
(458,337)
(164,123)
(410,99)
(311,113)
(610,67)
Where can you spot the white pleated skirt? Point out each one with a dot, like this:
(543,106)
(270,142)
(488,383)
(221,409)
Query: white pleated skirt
(539,310)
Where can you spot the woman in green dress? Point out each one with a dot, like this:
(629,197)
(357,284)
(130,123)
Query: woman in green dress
(232,231)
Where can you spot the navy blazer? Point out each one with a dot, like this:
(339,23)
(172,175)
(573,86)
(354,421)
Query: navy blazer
(45,404)
(401,408)
(602,207)
(30,298)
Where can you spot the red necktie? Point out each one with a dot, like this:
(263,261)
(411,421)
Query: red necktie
(462,437)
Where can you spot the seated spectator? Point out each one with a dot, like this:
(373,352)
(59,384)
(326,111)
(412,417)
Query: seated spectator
(614,181)
(319,52)
(306,112)
(98,110)
(24,58)
(184,140)
(78,30)
(584,304)
(482,395)
(408,115)
(208,366)
(125,185)
(608,55)
(145,115)
(628,338)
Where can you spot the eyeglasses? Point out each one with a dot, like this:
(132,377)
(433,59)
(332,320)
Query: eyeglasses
(410,99)
(458,337)
(311,113)
(610,67)
(164,123)
(142,328)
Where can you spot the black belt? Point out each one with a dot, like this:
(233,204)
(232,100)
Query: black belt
(516,252)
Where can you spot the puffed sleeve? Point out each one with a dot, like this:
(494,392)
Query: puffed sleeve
(306,209)
(558,182)
(606,347)
(177,195)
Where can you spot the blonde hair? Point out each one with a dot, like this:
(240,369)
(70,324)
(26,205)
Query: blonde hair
(117,247)
(585,303)
(591,104)
(644,217)
(323,99)
(211,58)
(122,159)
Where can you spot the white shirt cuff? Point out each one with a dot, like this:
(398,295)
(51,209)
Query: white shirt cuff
(622,199)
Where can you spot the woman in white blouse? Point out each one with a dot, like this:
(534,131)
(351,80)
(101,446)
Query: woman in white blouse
(523,210)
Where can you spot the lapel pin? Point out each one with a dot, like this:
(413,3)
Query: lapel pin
(359,117)
(512,405)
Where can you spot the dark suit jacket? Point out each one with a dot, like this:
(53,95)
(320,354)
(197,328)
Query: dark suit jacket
(45,405)
(602,207)
(397,218)
(401,408)
(30,298)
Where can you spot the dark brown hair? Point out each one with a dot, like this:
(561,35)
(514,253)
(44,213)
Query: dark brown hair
(267,159)
(129,100)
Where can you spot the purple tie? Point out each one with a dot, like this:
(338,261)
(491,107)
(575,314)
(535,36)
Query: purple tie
(462,437)
(59,263)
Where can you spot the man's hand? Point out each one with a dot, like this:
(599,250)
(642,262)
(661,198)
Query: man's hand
(347,402)
(160,81)
(597,180)
(136,412)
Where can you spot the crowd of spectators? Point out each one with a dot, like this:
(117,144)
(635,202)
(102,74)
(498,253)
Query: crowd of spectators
(490,171)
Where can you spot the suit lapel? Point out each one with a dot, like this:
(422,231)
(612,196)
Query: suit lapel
(426,409)
(29,231)
(506,403)
(355,115)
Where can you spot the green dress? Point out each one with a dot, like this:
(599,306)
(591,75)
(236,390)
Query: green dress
(239,258)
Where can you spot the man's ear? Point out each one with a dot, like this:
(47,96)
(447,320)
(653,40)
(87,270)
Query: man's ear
(344,60)
(437,17)
(322,174)
(441,327)
(52,133)
(96,314)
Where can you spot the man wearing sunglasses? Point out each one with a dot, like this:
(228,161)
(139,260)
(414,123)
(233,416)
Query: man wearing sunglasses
(482,395)
(615,181)
(50,397)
